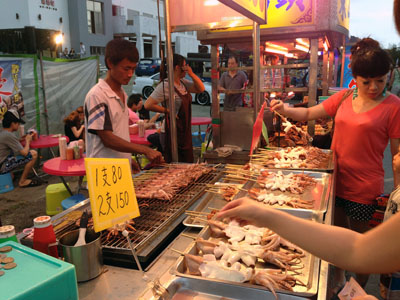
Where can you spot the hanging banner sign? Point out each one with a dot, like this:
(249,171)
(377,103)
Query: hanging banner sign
(10,87)
(253,9)
(348,79)
(112,196)
(284,13)
(343,13)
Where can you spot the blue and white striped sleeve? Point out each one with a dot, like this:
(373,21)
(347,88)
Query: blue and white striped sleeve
(97,114)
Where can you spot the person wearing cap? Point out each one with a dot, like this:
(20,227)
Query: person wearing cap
(12,154)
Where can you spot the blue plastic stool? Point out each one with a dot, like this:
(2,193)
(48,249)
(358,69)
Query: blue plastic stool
(6,183)
(198,139)
(71,201)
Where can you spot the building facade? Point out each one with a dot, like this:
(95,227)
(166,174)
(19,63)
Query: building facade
(27,26)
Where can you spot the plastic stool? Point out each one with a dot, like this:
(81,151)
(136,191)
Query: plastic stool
(71,201)
(6,183)
(198,139)
(55,194)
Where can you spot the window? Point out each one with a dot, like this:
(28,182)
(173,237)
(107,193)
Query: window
(95,17)
(94,50)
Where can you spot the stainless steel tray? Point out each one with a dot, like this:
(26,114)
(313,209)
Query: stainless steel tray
(319,193)
(214,290)
(309,276)
(328,168)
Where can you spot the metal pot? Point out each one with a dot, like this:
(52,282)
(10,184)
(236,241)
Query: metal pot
(88,259)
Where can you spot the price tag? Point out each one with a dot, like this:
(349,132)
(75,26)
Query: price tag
(111,192)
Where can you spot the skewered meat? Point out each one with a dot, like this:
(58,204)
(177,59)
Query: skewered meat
(166,182)
(295,157)
(116,230)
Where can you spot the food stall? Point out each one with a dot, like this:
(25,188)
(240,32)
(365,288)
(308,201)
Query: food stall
(312,28)
(153,259)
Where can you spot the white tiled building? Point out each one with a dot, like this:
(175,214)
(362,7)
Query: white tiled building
(28,25)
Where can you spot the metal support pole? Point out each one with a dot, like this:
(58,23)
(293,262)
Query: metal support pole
(256,69)
(343,61)
(46,117)
(325,84)
(215,111)
(330,68)
(171,89)
(336,67)
(312,82)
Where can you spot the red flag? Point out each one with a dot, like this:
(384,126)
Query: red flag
(257,128)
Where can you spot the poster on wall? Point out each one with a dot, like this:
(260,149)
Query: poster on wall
(10,87)
(348,79)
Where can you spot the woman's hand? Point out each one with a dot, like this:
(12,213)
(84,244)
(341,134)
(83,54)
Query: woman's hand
(245,211)
(278,106)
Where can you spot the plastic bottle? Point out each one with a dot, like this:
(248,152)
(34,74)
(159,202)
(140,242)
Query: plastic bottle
(77,154)
(62,146)
(141,128)
(7,233)
(44,238)
(70,153)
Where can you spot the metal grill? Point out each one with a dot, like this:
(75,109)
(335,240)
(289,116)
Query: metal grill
(157,224)
(160,213)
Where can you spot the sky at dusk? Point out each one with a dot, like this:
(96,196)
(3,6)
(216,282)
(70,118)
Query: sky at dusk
(373,18)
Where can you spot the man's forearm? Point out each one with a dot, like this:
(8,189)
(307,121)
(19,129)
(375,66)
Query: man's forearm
(114,142)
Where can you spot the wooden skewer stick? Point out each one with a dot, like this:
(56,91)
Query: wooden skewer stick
(197,212)
(201,219)
(177,251)
(213,208)
(214,192)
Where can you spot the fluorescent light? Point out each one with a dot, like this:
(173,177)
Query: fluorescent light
(302,48)
(290,55)
(277,51)
(211,2)
(275,46)
(303,42)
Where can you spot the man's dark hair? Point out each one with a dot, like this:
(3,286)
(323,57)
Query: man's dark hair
(178,60)
(234,57)
(118,49)
(134,99)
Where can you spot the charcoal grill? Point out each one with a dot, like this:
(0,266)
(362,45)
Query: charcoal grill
(157,225)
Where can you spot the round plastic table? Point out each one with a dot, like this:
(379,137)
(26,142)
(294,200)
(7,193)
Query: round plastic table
(136,139)
(57,166)
(45,141)
(201,121)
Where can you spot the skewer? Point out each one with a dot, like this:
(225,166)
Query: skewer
(203,220)
(177,251)
(240,178)
(197,212)
(213,208)
(214,192)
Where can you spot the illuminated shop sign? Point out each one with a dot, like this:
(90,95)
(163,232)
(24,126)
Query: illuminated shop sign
(343,13)
(253,9)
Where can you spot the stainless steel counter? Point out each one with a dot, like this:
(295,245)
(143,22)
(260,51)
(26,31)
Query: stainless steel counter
(121,283)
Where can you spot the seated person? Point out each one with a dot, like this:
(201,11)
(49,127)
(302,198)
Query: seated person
(135,103)
(73,128)
(12,154)
(81,114)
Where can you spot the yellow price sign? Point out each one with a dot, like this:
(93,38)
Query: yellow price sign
(111,192)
